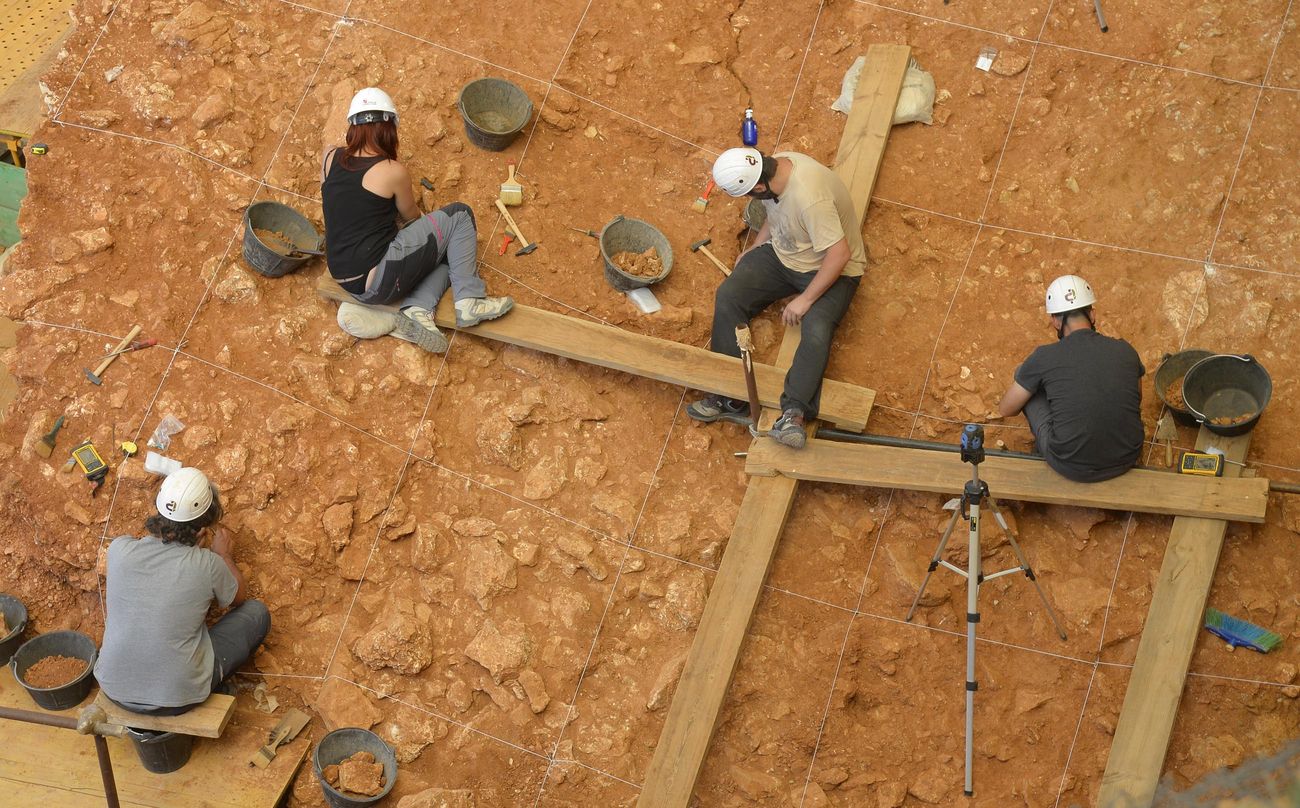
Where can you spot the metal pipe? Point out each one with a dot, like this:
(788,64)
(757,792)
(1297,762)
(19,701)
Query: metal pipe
(67,722)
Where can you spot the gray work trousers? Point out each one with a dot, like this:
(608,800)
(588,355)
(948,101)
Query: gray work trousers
(234,639)
(759,280)
(434,252)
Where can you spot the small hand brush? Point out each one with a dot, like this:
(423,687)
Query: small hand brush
(512,193)
(1239,633)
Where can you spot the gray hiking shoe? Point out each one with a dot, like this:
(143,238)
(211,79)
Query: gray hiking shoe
(416,325)
(789,430)
(473,310)
(719,408)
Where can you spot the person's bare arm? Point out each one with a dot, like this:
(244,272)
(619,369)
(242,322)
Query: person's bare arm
(833,263)
(223,544)
(1014,400)
(403,193)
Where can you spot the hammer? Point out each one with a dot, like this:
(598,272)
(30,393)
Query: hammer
(528,245)
(701,246)
(103,366)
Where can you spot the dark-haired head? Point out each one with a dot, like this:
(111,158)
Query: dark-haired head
(186,533)
(377,137)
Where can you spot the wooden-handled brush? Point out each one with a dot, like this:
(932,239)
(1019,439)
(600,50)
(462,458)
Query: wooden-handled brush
(512,193)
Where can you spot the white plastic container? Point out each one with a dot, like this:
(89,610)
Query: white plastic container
(155,463)
(645,300)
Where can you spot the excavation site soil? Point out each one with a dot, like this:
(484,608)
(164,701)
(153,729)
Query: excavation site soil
(497,558)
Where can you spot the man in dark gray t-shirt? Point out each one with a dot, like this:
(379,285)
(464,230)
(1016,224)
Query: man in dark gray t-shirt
(1081,394)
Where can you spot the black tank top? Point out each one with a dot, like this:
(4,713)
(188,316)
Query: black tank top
(359,224)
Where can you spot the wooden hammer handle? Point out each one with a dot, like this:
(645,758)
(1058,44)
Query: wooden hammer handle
(513,225)
(725,269)
(103,366)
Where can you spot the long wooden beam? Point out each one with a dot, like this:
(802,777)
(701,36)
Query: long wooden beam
(1137,754)
(1238,500)
(711,662)
(844,405)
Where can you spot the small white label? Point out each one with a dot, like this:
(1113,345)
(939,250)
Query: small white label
(986,57)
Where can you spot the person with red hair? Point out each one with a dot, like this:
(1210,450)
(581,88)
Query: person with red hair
(365,193)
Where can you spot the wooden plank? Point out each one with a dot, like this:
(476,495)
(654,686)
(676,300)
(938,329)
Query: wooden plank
(710,664)
(62,766)
(29,44)
(862,147)
(1238,500)
(706,677)
(845,405)
(208,720)
(1146,720)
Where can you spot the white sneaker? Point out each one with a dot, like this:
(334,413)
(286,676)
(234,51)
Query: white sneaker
(474,310)
(416,325)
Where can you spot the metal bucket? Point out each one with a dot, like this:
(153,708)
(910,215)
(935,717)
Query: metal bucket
(16,619)
(342,744)
(495,112)
(57,643)
(632,235)
(1172,368)
(279,219)
(1227,386)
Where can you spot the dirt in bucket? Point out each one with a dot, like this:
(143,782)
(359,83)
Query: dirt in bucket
(646,264)
(1174,394)
(276,241)
(359,774)
(1232,420)
(492,121)
(54,671)
(4,627)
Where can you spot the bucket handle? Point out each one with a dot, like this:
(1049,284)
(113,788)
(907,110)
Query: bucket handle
(1201,418)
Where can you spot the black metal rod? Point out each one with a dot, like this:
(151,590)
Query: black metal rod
(912,443)
(66,722)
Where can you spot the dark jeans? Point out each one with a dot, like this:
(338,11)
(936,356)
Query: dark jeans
(1039,415)
(759,281)
(234,639)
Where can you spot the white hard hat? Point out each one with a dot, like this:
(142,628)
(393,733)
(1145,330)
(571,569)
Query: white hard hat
(185,495)
(375,101)
(1067,293)
(736,171)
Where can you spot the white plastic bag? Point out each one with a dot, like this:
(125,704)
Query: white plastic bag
(915,102)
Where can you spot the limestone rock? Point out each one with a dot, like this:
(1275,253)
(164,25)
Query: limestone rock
(503,651)
(535,689)
(424,549)
(1009,64)
(474,526)
(214,109)
(398,640)
(361,777)
(343,704)
(93,241)
(684,598)
(365,322)
(756,785)
(700,55)
(337,521)
(439,798)
(489,569)
(665,684)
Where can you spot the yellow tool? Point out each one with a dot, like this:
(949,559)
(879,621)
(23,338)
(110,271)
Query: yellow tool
(1203,464)
(91,463)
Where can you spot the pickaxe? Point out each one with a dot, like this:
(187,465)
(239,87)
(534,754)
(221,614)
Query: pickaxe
(103,366)
(529,246)
(701,246)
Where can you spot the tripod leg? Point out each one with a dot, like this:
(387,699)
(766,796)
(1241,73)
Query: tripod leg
(1024,566)
(973,577)
(934,563)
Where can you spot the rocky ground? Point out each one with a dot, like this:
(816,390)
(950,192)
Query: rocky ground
(497,559)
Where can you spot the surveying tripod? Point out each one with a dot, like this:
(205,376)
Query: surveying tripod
(974,495)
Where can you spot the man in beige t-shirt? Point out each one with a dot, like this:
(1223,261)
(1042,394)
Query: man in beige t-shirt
(811,247)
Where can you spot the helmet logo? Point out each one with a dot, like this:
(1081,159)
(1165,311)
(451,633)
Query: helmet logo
(171,506)
(1070,296)
(749,158)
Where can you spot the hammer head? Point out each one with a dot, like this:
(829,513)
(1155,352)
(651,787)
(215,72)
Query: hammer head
(701,243)
(528,249)
(93,378)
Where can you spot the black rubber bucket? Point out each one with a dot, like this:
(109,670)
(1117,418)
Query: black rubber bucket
(342,744)
(1227,386)
(1172,368)
(161,752)
(495,112)
(278,259)
(15,614)
(57,643)
(632,235)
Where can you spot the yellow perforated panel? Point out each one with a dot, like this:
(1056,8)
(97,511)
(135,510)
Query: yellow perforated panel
(27,29)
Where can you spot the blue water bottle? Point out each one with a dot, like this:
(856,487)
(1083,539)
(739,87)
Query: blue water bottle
(749,129)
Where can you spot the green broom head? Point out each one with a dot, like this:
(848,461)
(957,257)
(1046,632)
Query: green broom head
(1240,633)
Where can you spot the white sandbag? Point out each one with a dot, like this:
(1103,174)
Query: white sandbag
(915,102)
(365,322)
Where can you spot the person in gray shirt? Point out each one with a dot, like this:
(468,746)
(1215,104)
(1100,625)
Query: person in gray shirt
(1081,394)
(158,656)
